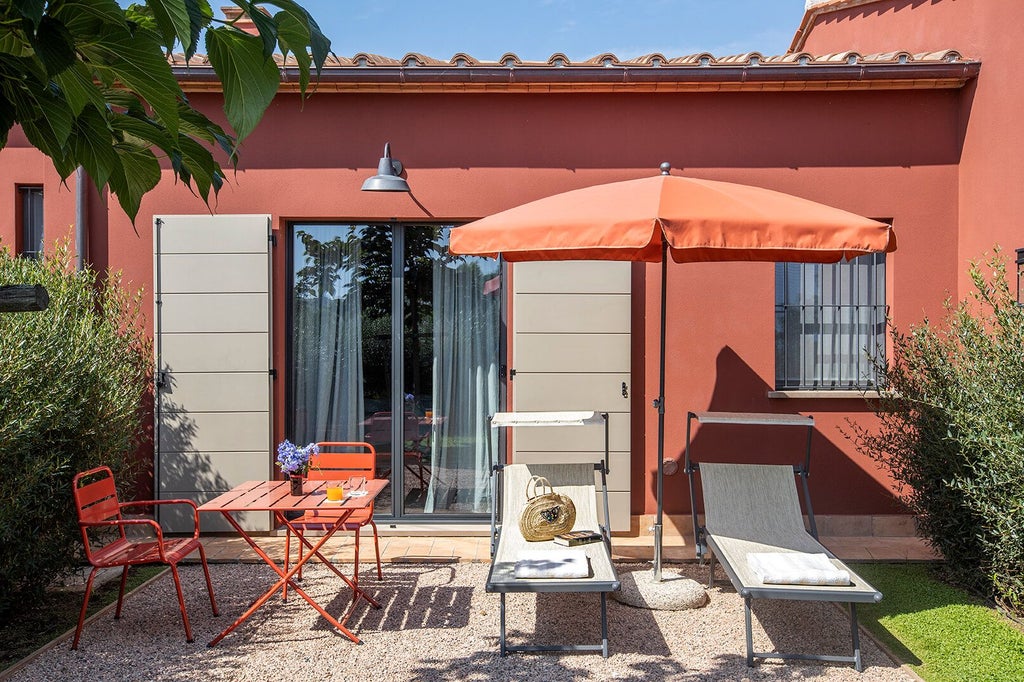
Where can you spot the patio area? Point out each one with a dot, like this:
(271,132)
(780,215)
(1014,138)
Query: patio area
(437,623)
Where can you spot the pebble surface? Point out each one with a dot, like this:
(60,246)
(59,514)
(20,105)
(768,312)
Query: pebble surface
(438,623)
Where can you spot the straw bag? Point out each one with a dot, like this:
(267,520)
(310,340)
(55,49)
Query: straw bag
(546,514)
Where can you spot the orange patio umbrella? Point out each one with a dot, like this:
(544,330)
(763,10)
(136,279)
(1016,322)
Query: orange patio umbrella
(691,219)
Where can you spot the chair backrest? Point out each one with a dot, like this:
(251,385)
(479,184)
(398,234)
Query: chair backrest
(341,460)
(575,481)
(751,501)
(95,501)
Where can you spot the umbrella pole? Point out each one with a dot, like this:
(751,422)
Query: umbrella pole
(660,404)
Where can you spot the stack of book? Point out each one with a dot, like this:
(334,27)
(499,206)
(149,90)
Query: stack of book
(578,537)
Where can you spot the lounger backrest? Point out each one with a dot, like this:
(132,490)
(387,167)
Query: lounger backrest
(576,481)
(751,501)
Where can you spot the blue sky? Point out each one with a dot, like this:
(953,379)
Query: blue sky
(535,29)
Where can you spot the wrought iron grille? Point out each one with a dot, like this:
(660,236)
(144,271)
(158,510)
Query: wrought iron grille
(829,324)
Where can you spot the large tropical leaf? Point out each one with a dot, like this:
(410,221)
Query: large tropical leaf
(139,172)
(92,146)
(250,81)
(85,18)
(293,36)
(79,89)
(136,60)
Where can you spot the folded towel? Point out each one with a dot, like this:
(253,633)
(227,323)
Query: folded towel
(796,568)
(540,563)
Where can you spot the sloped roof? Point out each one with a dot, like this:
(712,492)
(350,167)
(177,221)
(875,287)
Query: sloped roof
(606,72)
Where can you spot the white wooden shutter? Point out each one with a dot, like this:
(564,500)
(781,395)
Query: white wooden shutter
(213,347)
(571,351)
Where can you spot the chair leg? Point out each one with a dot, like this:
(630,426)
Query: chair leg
(120,593)
(750,633)
(181,603)
(298,534)
(355,568)
(857,663)
(209,583)
(85,607)
(604,624)
(376,548)
(502,626)
(287,558)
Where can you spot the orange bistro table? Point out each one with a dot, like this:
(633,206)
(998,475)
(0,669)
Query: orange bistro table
(274,496)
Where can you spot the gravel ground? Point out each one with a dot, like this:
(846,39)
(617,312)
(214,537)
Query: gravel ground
(437,623)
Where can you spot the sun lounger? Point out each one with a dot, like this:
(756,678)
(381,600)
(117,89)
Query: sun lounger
(547,566)
(751,518)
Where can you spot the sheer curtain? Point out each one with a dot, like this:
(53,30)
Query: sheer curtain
(466,304)
(327,333)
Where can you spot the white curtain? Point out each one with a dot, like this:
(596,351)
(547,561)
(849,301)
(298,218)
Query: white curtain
(327,325)
(466,326)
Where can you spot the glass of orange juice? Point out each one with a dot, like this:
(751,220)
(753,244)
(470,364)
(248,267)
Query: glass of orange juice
(335,493)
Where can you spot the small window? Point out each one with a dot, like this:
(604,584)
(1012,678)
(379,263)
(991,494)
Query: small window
(829,324)
(30,220)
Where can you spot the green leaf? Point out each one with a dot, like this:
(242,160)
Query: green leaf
(164,15)
(318,42)
(92,146)
(79,88)
(85,18)
(53,45)
(138,172)
(250,81)
(266,26)
(6,120)
(129,102)
(195,124)
(141,132)
(293,37)
(137,62)
(198,162)
(30,9)
(14,42)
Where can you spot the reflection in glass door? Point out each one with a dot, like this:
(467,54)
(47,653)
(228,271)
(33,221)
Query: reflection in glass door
(364,295)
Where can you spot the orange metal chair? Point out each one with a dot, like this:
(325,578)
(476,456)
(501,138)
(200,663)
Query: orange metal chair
(339,461)
(99,517)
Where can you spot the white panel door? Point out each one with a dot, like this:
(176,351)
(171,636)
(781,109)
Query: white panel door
(571,351)
(212,338)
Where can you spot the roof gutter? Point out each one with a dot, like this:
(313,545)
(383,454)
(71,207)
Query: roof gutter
(792,76)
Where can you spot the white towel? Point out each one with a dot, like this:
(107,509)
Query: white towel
(540,563)
(796,568)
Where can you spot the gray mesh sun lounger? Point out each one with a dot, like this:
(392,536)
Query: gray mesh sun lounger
(577,481)
(755,508)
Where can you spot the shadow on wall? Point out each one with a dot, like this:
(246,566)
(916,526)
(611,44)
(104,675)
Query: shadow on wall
(182,471)
(838,481)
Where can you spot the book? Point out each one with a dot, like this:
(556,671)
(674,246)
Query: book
(578,537)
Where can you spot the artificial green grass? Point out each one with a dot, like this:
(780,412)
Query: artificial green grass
(942,632)
(57,613)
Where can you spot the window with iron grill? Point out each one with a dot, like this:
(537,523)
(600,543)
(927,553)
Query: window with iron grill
(829,324)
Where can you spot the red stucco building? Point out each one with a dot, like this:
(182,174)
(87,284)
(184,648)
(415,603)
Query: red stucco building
(894,109)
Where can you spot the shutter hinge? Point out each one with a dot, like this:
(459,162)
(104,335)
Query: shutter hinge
(272,238)
(272,372)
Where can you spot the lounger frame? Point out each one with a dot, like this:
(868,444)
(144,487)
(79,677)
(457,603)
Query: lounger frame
(576,480)
(763,529)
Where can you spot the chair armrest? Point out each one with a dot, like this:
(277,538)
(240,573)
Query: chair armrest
(156,503)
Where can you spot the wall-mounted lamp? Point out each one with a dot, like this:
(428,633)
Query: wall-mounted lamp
(1020,276)
(389,175)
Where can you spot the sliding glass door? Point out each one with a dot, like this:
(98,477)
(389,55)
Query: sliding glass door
(386,322)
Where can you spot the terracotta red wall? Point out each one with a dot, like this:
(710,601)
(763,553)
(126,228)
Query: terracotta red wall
(992,161)
(882,154)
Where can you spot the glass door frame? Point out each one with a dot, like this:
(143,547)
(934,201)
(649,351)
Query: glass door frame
(398,228)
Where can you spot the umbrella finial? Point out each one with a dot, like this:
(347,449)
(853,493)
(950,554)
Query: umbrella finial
(665,168)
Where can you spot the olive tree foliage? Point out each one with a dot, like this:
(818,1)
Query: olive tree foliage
(951,433)
(90,85)
(73,379)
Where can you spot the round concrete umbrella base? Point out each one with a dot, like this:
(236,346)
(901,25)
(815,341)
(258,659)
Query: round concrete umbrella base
(673,593)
